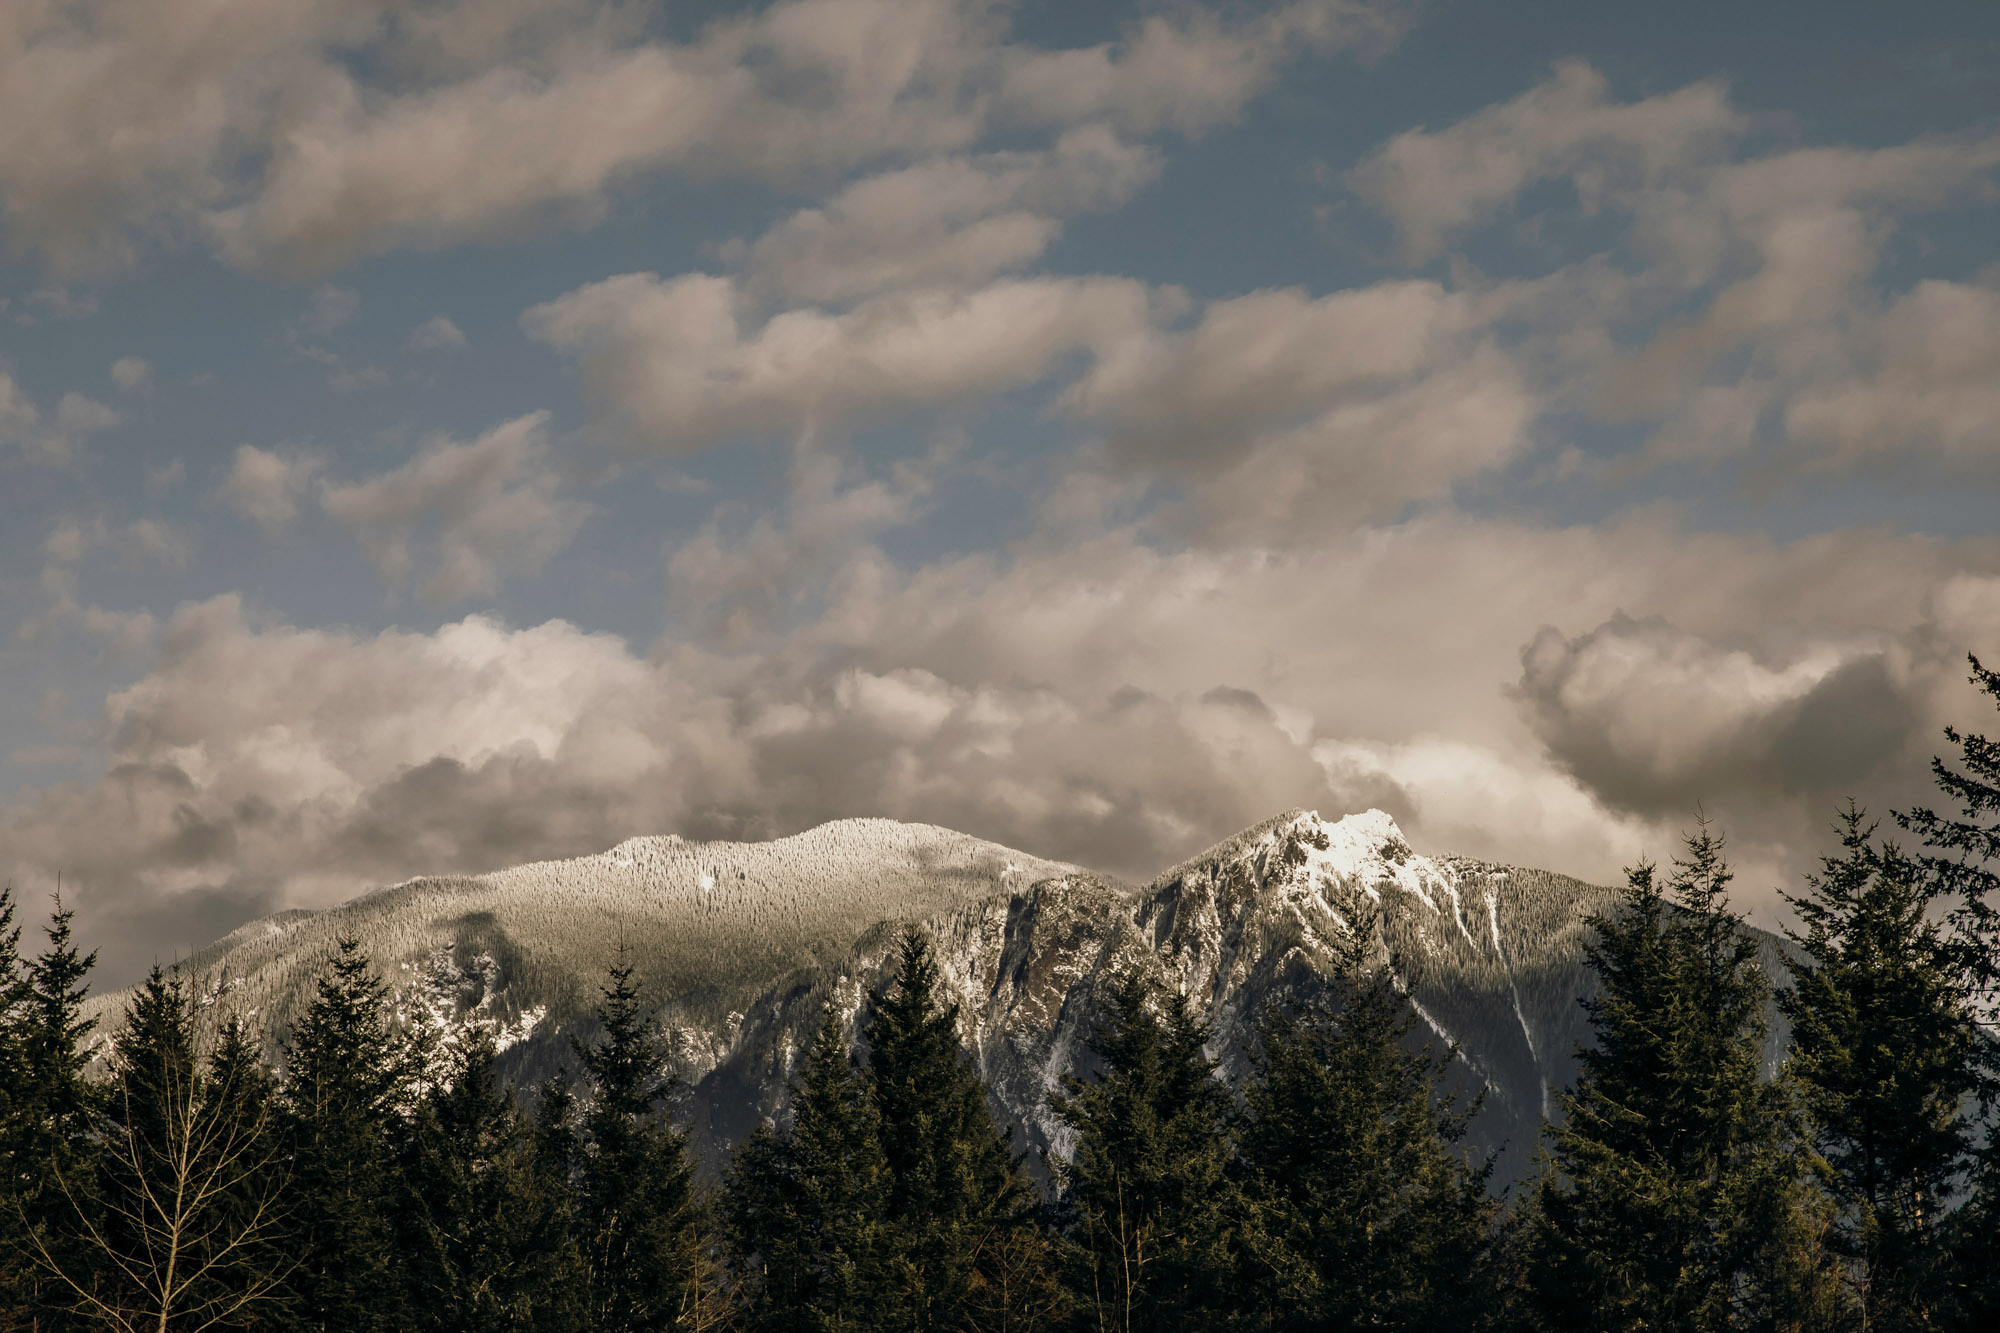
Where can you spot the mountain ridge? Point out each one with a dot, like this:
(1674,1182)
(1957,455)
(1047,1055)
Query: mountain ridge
(740,944)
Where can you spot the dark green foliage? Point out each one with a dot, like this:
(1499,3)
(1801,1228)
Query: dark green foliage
(1670,1174)
(807,1206)
(1882,1040)
(253,1202)
(1972,1295)
(1962,864)
(562,1298)
(1963,857)
(641,1226)
(17,1092)
(473,1224)
(1364,1212)
(1149,1190)
(51,1149)
(956,1192)
(345,1084)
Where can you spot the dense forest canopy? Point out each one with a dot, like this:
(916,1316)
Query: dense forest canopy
(380,1175)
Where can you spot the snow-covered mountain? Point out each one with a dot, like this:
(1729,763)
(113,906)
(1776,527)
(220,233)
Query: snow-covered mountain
(1491,956)
(740,944)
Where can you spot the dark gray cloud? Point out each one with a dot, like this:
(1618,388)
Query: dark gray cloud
(1655,720)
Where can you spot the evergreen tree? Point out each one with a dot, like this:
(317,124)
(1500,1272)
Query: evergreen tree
(15,1094)
(642,1225)
(556,1273)
(1961,862)
(806,1207)
(52,1159)
(1365,1213)
(471,1221)
(1148,1190)
(1972,1286)
(1670,1175)
(954,1184)
(253,1185)
(345,1081)
(1963,857)
(1882,1039)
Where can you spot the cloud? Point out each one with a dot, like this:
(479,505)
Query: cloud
(125,113)
(1741,311)
(1922,375)
(1287,416)
(328,309)
(165,479)
(248,745)
(1250,588)
(739,585)
(1787,246)
(61,303)
(131,374)
(508,146)
(265,485)
(1653,719)
(436,334)
(672,363)
(306,132)
(1096,700)
(1189,69)
(475,512)
(1434,184)
(952,221)
(145,544)
(18,418)
(51,443)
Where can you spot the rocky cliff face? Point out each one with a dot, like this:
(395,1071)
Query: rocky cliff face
(1491,958)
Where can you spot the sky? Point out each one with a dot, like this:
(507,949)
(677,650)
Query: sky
(441,434)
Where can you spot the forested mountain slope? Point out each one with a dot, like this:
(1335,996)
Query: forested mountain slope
(1492,957)
(709,925)
(740,944)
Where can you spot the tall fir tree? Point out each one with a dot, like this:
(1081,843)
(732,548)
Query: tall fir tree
(642,1225)
(1152,1210)
(563,1304)
(471,1224)
(16,1265)
(346,1080)
(1670,1173)
(1961,860)
(807,1206)
(1882,1043)
(1365,1212)
(253,1186)
(53,1155)
(956,1190)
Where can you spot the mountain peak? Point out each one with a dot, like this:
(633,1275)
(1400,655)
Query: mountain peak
(1365,848)
(1370,848)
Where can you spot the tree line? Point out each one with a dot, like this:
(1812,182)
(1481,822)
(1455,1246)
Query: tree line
(384,1179)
